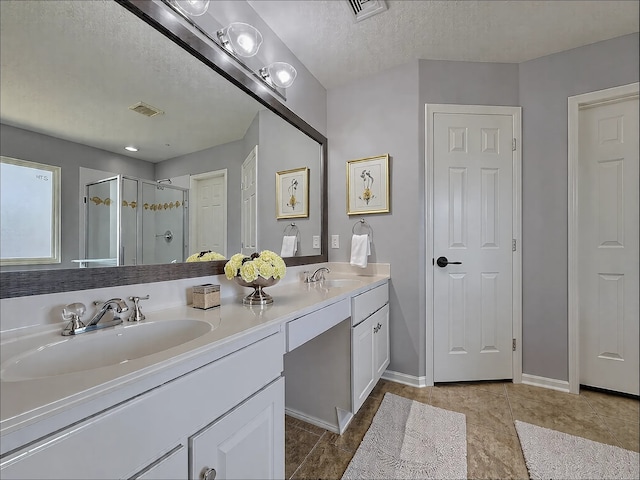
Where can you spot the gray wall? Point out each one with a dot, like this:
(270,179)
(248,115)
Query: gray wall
(35,147)
(386,115)
(373,118)
(545,84)
(280,147)
(230,156)
(283,147)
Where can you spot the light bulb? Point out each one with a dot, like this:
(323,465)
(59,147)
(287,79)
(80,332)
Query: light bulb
(280,74)
(241,39)
(195,8)
(246,42)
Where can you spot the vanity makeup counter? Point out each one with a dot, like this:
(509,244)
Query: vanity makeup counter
(34,408)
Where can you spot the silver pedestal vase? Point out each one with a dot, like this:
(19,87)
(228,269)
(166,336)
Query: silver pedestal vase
(259,296)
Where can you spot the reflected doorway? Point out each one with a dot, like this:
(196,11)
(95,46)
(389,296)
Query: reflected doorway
(209,212)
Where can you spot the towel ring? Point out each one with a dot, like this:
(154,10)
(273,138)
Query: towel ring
(362,224)
(291,228)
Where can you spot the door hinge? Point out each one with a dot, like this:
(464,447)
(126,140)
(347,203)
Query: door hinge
(514,245)
(513,144)
(513,345)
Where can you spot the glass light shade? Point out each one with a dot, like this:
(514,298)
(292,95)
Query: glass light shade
(195,8)
(281,74)
(241,38)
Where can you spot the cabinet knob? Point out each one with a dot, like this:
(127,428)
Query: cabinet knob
(208,473)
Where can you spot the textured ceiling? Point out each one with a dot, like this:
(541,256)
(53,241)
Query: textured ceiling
(336,50)
(71,69)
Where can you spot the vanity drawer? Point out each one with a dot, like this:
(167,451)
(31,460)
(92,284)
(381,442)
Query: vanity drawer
(305,328)
(366,303)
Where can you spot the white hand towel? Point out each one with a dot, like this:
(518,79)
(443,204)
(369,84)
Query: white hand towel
(360,250)
(289,246)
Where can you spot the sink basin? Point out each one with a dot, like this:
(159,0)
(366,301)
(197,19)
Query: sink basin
(341,283)
(110,346)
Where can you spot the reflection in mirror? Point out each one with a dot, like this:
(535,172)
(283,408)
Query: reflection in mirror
(91,88)
(29,212)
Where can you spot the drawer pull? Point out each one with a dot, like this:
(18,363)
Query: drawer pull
(208,473)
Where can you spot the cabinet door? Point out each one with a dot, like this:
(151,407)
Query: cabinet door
(381,341)
(362,362)
(246,443)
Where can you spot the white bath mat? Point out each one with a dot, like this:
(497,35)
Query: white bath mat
(550,454)
(408,439)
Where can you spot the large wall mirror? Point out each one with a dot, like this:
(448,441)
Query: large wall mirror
(83,80)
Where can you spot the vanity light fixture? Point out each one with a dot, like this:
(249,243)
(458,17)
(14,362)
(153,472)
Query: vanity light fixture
(195,8)
(131,148)
(240,39)
(280,74)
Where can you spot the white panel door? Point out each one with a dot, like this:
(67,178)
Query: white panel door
(608,246)
(211,223)
(472,215)
(249,214)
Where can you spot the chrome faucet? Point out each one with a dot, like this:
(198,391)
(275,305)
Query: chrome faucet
(317,275)
(76,327)
(120,306)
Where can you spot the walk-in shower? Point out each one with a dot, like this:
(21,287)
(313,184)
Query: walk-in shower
(133,221)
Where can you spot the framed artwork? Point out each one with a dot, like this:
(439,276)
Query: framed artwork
(368,185)
(292,193)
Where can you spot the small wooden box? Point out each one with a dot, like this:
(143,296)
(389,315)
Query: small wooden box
(206,296)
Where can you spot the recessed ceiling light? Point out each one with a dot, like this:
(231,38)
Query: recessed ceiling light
(131,149)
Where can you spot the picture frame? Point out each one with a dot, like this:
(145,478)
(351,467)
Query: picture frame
(368,185)
(292,193)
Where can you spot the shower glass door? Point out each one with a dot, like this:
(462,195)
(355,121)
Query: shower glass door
(164,232)
(103,217)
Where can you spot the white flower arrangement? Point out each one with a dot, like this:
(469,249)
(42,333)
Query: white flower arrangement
(265,264)
(205,257)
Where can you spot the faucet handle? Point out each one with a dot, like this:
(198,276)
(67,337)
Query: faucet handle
(137,313)
(72,314)
(73,309)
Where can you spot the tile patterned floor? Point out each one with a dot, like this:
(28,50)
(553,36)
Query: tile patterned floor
(493,448)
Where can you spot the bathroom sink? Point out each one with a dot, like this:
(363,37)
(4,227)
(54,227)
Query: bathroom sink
(341,283)
(107,347)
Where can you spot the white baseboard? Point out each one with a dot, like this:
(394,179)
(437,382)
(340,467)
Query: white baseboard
(405,379)
(315,421)
(551,383)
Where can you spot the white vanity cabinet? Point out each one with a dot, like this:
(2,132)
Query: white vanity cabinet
(230,409)
(244,443)
(171,466)
(335,357)
(369,342)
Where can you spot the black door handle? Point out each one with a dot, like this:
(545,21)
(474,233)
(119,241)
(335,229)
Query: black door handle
(443,262)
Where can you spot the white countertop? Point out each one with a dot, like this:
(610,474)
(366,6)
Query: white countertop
(30,409)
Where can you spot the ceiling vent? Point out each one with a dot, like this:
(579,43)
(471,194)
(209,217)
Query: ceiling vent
(362,9)
(145,109)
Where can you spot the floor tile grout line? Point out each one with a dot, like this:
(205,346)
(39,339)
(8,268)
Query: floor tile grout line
(307,456)
(603,421)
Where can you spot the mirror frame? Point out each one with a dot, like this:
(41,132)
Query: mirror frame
(37,282)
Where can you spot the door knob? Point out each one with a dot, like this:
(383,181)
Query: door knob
(443,262)
(208,473)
